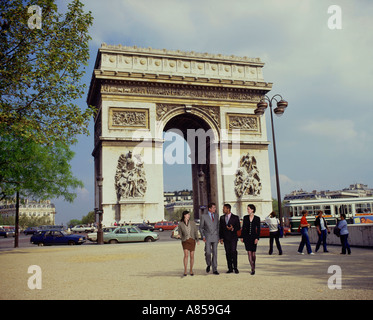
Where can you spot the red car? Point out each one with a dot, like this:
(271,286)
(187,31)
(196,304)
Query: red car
(165,225)
(264,230)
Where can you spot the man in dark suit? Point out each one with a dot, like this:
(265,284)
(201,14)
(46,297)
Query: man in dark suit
(229,225)
(209,228)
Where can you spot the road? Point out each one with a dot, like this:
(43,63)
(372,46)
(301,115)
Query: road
(24,241)
(148,271)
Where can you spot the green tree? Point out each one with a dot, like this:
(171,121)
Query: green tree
(25,221)
(74,222)
(89,218)
(41,69)
(35,170)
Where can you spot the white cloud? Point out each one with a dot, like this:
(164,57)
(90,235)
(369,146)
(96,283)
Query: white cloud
(339,135)
(82,194)
(333,129)
(288,185)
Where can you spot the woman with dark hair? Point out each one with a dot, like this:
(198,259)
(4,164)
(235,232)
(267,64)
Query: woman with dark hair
(304,225)
(342,225)
(274,233)
(188,233)
(250,234)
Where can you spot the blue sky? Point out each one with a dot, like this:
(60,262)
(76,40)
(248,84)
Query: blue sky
(324,139)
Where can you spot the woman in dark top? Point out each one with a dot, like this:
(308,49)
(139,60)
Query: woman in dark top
(251,234)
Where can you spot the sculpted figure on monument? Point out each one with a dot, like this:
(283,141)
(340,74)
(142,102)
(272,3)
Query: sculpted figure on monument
(130,181)
(247,180)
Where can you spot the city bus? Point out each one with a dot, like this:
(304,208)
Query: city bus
(357,210)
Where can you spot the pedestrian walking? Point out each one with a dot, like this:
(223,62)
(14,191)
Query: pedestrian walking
(209,228)
(250,235)
(322,228)
(342,225)
(188,233)
(304,225)
(274,233)
(229,225)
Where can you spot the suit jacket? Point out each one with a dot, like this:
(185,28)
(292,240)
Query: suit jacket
(193,231)
(209,229)
(246,233)
(226,234)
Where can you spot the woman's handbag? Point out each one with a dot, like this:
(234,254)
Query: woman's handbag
(280,230)
(337,231)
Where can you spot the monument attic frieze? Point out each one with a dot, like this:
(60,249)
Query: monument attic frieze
(159,63)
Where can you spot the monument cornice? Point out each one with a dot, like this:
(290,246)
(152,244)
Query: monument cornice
(152,52)
(146,77)
(250,94)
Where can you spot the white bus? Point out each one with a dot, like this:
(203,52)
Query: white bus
(357,210)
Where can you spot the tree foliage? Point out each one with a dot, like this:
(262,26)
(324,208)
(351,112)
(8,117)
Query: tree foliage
(35,170)
(41,69)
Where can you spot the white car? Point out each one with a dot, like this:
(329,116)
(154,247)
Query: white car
(82,228)
(93,236)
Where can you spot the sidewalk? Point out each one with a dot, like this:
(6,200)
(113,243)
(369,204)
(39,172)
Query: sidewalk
(154,271)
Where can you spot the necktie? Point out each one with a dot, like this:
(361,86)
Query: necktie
(212,217)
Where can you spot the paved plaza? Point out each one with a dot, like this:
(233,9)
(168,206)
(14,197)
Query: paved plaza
(155,271)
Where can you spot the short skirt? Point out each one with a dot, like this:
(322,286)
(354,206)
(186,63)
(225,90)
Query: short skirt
(250,244)
(189,244)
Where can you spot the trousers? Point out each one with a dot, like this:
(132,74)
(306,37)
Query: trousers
(211,254)
(230,247)
(305,241)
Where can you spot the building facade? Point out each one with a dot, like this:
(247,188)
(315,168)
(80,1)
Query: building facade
(29,208)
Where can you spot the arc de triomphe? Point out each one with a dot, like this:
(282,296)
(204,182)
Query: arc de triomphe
(210,99)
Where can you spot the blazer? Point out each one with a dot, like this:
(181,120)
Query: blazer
(209,229)
(317,223)
(226,234)
(193,230)
(254,231)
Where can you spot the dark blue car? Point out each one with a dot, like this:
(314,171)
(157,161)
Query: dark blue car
(55,237)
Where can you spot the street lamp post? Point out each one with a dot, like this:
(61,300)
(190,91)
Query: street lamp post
(100,238)
(201,180)
(279,111)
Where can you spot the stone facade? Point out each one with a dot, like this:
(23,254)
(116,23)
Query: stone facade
(141,92)
(29,208)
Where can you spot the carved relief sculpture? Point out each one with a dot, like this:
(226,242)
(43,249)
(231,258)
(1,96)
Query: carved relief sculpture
(243,122)
(133,118)
(247,180)
(130,180)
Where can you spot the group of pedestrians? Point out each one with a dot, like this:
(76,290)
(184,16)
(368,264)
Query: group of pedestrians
(224,231)
(322,231)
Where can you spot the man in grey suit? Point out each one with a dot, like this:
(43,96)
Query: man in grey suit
(209,228)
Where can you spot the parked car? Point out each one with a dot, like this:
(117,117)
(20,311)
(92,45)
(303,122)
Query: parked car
(30,230)
(93,236)
(165,225)
(129,234)
(7,232)
(54,237)
(264,230)
(144,226)
(82,228)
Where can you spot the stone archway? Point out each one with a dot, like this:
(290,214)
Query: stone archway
(201,140)
(139,93)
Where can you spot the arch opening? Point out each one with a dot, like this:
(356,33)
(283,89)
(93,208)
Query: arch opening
(197,139)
